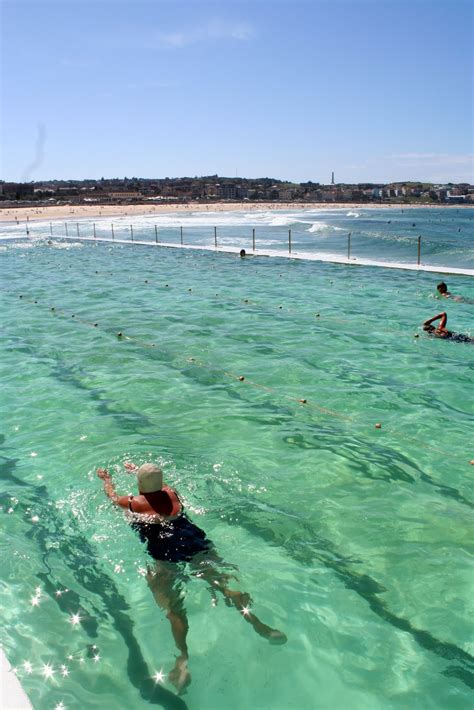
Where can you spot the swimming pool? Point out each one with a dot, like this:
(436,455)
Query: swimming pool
(354,540)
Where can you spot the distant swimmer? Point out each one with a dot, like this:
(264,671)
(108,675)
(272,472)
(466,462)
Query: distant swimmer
(442,289)
(242,253)
(442,332)
(172,539)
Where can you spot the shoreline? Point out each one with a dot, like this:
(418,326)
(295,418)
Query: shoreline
(74,212)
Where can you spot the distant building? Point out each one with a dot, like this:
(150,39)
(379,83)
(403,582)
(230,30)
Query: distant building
(227,192)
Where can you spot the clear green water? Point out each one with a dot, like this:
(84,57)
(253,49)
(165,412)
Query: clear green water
(353,540)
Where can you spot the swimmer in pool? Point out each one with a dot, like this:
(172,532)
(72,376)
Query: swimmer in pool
(157,515)
(442,332)
(442,289)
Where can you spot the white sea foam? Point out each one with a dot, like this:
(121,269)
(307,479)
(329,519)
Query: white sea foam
(245,241)
(318,227)
(206,220)
(323,226)
(67,245)
(172,220)
(353,214)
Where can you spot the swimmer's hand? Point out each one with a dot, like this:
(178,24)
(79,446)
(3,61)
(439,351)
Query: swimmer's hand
(130,466)
(103,474)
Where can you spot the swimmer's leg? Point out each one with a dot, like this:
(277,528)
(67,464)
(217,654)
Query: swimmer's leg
(240,600)
(162,582)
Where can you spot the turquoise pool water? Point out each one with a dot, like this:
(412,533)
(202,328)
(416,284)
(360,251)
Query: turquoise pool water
(353,540)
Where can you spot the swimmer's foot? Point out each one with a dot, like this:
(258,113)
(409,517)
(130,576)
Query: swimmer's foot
(273,636)
(242,602)
(276,638)
(180,675)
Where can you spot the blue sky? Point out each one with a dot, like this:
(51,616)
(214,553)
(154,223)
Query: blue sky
(374,90)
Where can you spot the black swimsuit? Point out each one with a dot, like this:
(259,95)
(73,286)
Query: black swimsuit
(461,338)
(177,540)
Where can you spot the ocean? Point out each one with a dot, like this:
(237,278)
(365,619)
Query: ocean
(322,447)
(443,236)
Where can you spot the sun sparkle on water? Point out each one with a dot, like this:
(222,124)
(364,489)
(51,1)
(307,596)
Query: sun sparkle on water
(48,670)
(159,676)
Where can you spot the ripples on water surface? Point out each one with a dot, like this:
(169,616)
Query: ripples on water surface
(353,540)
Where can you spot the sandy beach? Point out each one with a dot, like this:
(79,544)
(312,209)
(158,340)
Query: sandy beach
(53,212)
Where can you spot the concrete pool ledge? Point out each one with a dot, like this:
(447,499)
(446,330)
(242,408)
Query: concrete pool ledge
(272,253)
(12,695)
(325,258)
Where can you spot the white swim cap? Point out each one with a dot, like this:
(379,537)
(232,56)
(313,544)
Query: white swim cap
(150,478)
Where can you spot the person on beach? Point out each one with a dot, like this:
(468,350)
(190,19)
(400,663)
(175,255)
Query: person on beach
(442,332)
(157,515)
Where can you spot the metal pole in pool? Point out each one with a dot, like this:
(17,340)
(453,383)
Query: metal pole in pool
(65,225)
(215,237)
(94,231)
(77,227)
(113,235)
(253,239)
(131,231)
(289,241)
(181,231)
(419,249)
(156,234)
(348,246)
(51,228)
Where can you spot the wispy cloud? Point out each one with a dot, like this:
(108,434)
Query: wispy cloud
(432,159)
(213,31)
(434,167)
(428,167)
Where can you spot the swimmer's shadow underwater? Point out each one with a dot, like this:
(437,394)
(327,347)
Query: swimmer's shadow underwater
(172,539)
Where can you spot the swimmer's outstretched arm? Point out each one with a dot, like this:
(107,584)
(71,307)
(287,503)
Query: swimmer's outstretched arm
(109,489)
(444,320)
